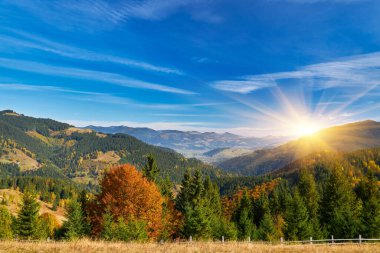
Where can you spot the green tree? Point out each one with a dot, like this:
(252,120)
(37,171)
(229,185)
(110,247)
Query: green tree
(267,230)
(5,223)
(199,202)
(298,226)
(369,193)
(28,217)
(150,170)
(243,217)
(308,191)
(75,225)
(339,208)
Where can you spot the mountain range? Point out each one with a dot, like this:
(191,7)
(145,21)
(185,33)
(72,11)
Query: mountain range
(207,146)
(46,147)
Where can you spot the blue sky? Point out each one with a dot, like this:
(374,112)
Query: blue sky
(249,67)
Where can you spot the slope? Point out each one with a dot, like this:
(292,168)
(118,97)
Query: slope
(346,138)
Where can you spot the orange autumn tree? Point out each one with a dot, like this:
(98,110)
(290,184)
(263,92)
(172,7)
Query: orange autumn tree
(126,193)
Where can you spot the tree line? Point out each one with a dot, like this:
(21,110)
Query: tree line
(141,205)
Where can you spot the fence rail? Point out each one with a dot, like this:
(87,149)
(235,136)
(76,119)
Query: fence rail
(331,241)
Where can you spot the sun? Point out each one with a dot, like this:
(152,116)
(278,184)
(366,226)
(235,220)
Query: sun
(305,128)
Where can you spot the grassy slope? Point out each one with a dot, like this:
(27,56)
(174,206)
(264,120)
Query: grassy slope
(13,201)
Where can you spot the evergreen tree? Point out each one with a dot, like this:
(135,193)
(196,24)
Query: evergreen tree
(308,191)
(196,203)
(298,226)
(150,170)
(75,225)
(5,223)
(267,230)
(107,232)
(339,208)
(263,218)
(243,217)
(369,193)
(27,220)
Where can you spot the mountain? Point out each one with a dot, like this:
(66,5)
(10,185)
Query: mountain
(344,138)
(219,155)
(192,143)
(51,148)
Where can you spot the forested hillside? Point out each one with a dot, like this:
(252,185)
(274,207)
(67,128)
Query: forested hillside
(54,149)
(349,137)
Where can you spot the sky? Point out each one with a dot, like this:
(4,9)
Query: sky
(254,68)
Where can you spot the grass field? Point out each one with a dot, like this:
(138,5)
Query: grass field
(100,247)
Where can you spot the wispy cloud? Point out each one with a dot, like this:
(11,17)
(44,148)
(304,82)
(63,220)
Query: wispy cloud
(101,97)
(35,42)
(86,14)
(360,70)
(78,73)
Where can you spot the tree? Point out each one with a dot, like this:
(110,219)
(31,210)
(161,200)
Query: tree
(75,225)
(267,230)
(123,231)
(199,202)
(368,192)
(5,223)
(309,193)
(339,208)
(49,223)
(298,226)
(127,194)
(263,218)
(243,217)
(150,170)
(27,220)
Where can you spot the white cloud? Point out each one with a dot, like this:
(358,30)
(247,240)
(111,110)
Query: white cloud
(78,73)
(100,97)
(36,42)
(360,70)
(97,14)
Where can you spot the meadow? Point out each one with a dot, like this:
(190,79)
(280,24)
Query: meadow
(101,246)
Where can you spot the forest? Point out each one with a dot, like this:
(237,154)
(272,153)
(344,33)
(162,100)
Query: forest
(318,200)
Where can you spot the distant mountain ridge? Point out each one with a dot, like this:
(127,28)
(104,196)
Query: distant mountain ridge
(192,143)
(343,138)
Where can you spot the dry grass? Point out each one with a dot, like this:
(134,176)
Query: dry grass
(13,199)
(100,247)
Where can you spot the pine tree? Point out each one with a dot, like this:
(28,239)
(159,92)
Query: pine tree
(27,220)
(5,223)
(194,201)
(267,230)
(308,191)
(75,225)
(150,170)
(243,217)
(108,229)
(339,208)
(369,193)
(298,226)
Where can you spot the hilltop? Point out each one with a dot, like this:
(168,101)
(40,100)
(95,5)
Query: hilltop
(343,138)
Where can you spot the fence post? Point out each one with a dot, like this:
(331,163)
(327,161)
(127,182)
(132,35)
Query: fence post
(190,238)
(249,239)
(360,239)
(282,240)
(332,239)
(311,240)
(223,239)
